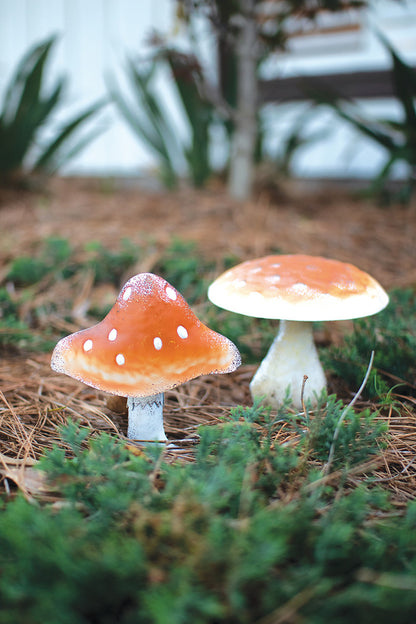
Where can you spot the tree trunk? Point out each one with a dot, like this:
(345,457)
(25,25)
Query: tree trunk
(244,138)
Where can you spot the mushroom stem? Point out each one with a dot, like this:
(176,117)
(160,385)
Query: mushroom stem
(291,356)
(146,418)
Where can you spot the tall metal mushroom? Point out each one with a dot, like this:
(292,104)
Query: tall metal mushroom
(296,289)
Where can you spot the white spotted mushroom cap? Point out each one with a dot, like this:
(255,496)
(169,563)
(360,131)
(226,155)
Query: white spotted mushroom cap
(149,342)
(298,288)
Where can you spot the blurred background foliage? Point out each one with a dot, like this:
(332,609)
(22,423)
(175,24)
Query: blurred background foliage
(396,136)
(25,111)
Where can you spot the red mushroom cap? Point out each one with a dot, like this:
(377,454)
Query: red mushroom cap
(149,342)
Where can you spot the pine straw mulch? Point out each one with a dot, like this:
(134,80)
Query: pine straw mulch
(318,221)
(35,402)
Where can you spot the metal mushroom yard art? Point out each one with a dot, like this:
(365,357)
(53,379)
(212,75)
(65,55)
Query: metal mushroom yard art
(151,341)
(148,343)
(297,290)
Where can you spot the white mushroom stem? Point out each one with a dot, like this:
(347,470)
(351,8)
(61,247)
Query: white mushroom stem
(291,356)
(146,418)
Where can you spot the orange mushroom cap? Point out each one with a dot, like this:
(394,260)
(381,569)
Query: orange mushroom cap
(298,288)
(149,342)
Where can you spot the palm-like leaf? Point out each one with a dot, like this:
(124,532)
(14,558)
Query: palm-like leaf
(148,120)
(404,81)
(398,137)
(55,155)
(26,109)
(199,112)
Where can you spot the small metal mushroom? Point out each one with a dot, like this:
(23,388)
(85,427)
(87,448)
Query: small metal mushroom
(148,343)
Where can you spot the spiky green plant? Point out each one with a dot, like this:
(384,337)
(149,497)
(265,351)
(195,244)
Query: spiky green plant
(199,112)
(25,111)
(397,137)
(152,124)
(148,119)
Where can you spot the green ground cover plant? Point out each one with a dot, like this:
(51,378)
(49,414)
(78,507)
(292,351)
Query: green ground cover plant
(392,336)
(13,332)
(53,258)
(248,532)
(184,268)
(110,266)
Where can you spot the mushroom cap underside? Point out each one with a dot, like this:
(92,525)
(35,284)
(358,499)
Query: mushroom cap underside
(149,342)
(298,288)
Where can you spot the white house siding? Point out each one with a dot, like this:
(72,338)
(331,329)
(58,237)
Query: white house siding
(95,36)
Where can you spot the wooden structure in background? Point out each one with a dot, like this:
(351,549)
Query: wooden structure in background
(358,84)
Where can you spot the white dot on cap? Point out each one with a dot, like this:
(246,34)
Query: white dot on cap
(239,283)
(127,293)
(171,293)
(112,335)
(87,346)
(120,359)
(300,288)
(182,332)
(157,342)
(272,279)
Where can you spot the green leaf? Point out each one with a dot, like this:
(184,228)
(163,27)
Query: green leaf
(404,81)
(22,133)
(148,122)
(23,109)
(32,80)
(26,109)
(153,110)
(199,112)
(48,160)
(27,78)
